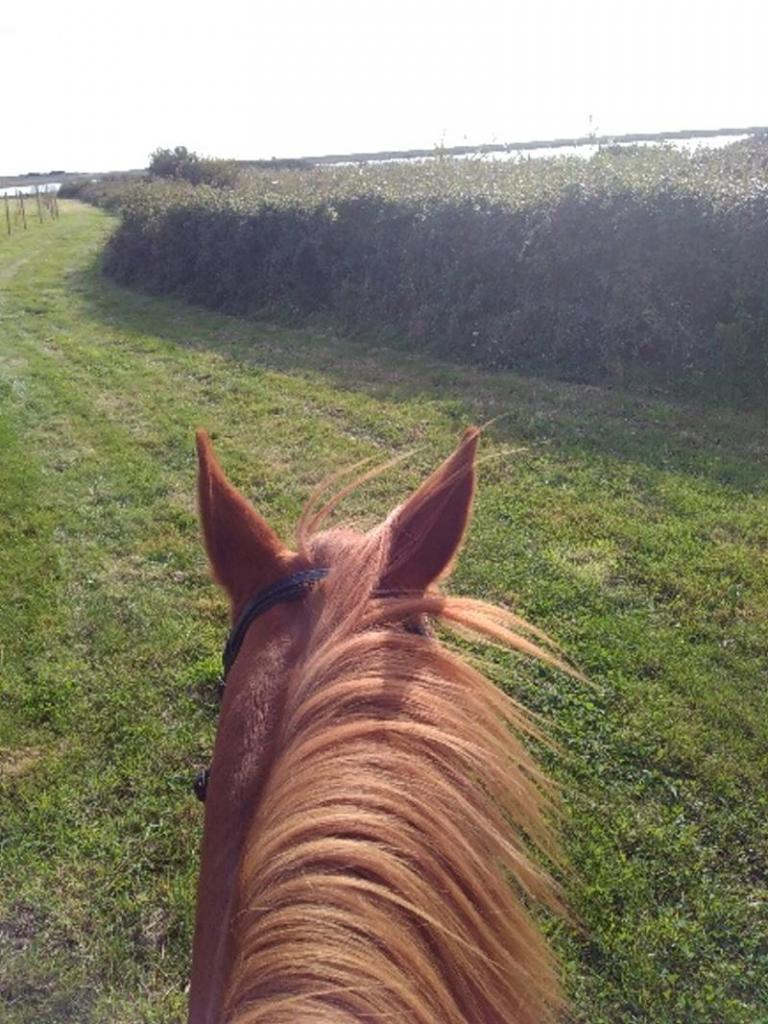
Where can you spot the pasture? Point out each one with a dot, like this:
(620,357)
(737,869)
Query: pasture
(633,529)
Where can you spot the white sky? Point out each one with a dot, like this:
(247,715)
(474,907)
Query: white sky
(89,85)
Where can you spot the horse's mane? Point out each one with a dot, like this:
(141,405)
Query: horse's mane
(387,869)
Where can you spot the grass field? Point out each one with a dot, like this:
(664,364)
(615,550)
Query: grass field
(634,530)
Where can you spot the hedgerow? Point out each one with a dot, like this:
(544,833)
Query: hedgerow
(648,265)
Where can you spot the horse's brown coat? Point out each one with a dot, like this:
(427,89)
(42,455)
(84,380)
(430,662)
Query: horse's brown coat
(369,813)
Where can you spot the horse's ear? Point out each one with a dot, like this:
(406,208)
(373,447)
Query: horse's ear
(427,529)
(244,552)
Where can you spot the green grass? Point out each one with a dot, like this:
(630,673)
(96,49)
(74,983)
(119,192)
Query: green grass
(633,530)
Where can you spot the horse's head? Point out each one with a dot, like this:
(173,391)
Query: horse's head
(407,554)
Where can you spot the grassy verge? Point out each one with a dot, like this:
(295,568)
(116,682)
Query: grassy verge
(634,531)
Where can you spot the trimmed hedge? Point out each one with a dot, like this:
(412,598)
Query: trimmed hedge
(645,265)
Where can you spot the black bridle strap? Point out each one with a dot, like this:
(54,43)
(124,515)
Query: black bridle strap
(293,588)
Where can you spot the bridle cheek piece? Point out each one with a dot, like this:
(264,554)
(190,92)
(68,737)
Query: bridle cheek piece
(293,588)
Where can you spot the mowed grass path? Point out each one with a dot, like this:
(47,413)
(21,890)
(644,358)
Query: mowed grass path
(635,531)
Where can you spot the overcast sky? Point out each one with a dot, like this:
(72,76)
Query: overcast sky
(96,86)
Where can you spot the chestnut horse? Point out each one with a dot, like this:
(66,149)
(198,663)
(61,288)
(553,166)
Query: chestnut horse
(371,806)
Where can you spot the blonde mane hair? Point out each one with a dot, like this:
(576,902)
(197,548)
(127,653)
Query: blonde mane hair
(387,870)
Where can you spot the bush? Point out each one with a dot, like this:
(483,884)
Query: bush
(106,190)
(644,267)
(75,187)
(180,163)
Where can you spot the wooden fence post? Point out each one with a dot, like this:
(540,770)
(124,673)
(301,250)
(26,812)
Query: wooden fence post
(44,200)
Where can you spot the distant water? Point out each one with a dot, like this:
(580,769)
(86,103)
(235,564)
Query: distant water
(584,152)
(687,145)
(29,190)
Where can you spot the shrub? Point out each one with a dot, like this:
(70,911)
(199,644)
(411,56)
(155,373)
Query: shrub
(75,187)
(643,267)
(180,163)
(106,190)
